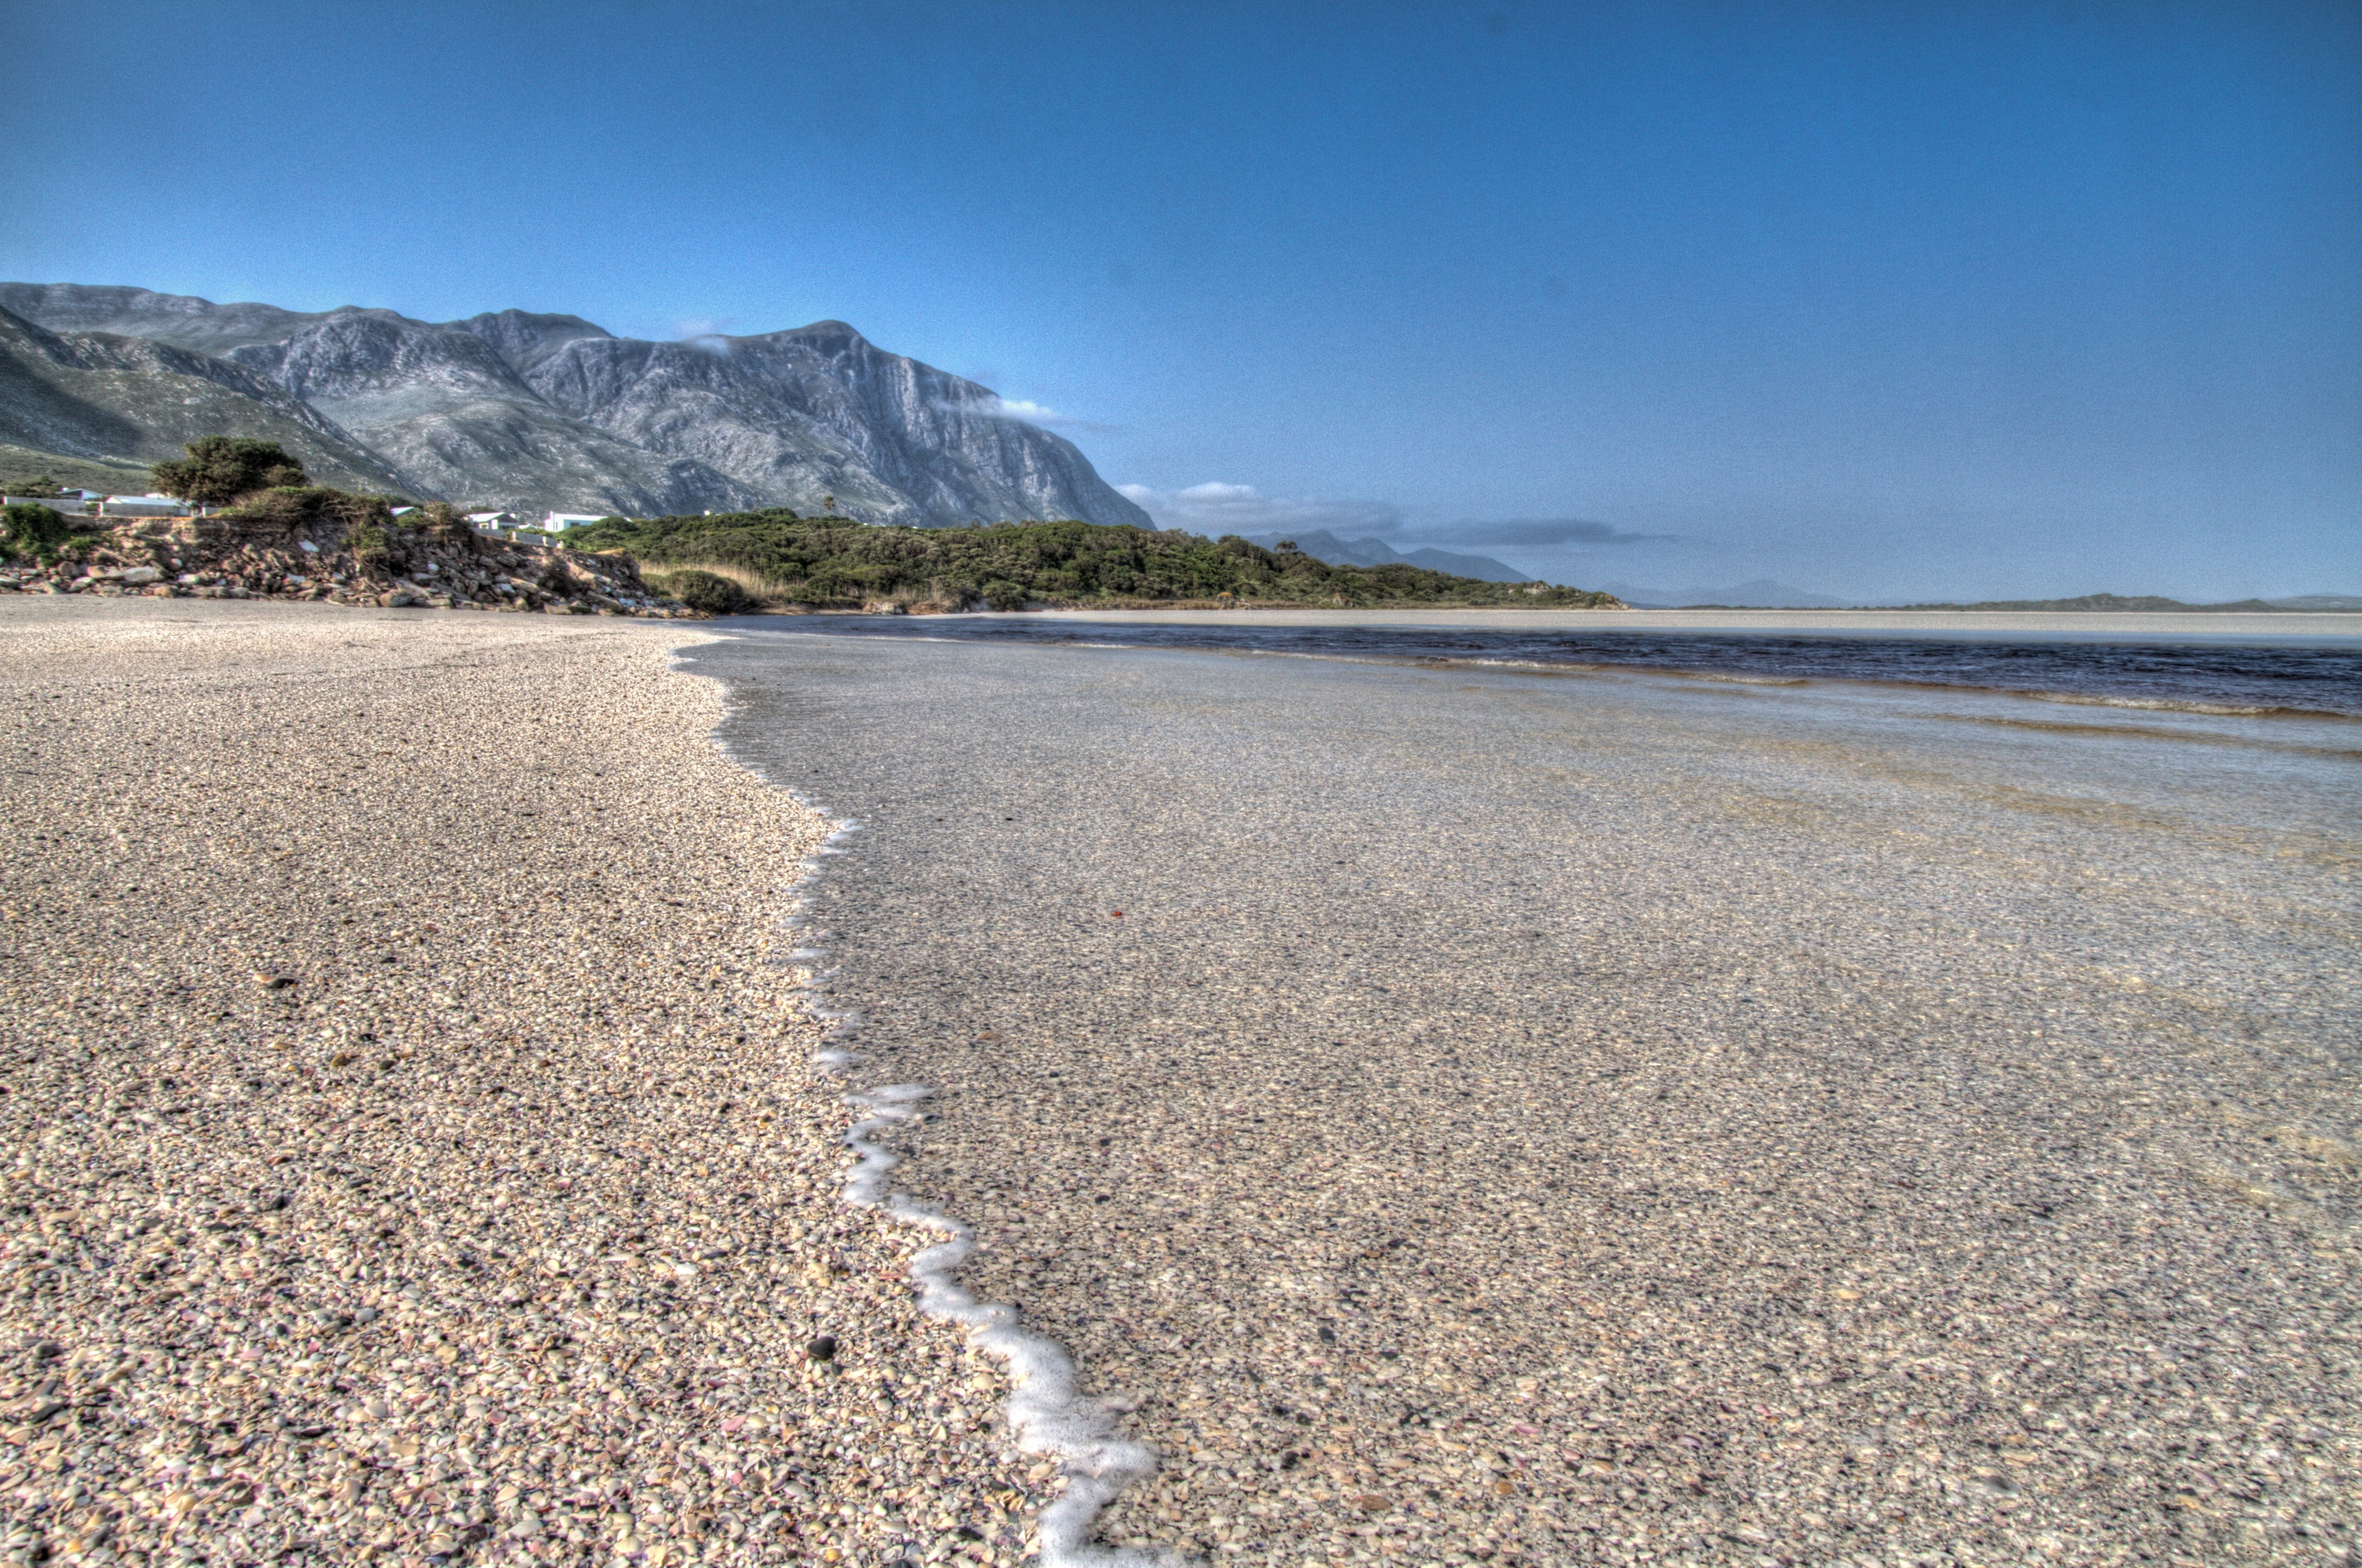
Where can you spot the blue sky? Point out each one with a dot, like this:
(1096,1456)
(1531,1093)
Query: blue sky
(1881,301)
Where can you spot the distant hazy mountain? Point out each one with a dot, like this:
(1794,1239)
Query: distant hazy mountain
(1760,594)
(2320,602)
(528,413)
(1324,545)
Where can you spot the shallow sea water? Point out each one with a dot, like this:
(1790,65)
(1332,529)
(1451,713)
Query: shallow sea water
(2311,676)
(1560,1117)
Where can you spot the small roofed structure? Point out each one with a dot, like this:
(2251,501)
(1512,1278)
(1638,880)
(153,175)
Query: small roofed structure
(558,522)
(143,506)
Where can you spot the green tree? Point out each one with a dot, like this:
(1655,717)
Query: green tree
(220,468)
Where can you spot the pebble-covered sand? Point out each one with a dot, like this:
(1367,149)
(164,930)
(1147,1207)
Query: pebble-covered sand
(1476,1116)
(409,1150)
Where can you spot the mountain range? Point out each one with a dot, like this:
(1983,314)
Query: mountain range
(530,412)
(1323,546)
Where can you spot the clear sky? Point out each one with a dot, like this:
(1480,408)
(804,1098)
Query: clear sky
(1885,301)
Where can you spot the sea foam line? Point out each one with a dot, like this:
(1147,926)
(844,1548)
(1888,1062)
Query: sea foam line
(1046,1414)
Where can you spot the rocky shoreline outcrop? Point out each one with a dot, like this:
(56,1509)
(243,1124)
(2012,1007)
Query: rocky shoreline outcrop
(308,548)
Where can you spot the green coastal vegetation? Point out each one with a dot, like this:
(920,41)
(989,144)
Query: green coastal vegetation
(777,558)
(740,562)
(39,534)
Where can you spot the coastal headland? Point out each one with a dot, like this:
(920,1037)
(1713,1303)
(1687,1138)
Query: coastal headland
(412,1149)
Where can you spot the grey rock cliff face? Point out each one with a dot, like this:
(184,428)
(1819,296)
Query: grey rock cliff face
(529,411)
(182,320)
(446,408)
(821,411)
(524,339)
(134,400)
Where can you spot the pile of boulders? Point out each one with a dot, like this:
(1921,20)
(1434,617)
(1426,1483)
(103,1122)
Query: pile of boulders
(438,562)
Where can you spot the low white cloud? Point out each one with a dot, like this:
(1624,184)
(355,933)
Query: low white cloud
(1216,508)
(1025,410)
(1546,532)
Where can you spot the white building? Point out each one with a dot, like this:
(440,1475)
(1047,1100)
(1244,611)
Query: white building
(560,521)
(143,506)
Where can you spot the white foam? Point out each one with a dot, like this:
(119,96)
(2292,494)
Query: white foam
(1047,1415)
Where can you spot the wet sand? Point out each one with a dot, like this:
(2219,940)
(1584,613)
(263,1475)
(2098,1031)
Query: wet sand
(1572,1119)
(1920,622)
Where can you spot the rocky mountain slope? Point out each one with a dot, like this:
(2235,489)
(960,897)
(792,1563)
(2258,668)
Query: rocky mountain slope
(533,412)
(134,400)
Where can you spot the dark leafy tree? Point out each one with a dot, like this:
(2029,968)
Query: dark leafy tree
(220,468)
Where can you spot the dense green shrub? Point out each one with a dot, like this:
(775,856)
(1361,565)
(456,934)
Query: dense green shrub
(705,591)
(312,507)
(34,533)
(372,546)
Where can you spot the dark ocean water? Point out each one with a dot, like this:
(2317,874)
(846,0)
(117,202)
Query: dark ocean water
(2231,675)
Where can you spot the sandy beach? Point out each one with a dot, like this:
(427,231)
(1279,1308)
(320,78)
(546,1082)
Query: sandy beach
(1452,1115)
(1467,1115)
(410,1148)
